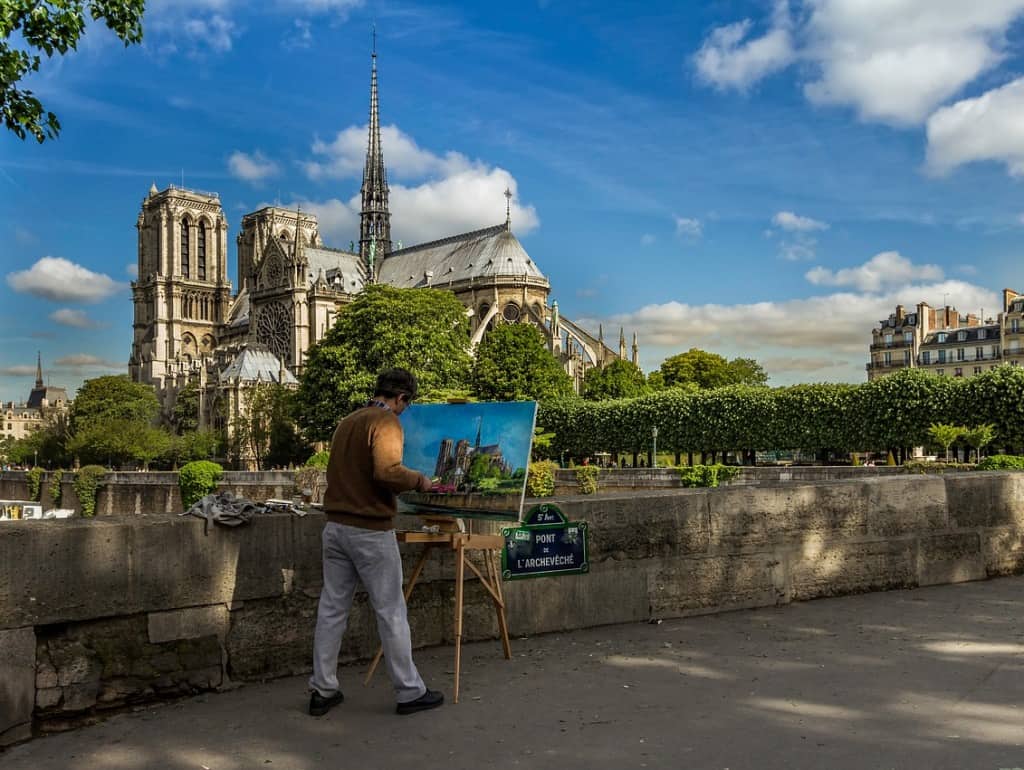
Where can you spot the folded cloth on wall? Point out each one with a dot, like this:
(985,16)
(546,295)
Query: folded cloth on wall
(225,509)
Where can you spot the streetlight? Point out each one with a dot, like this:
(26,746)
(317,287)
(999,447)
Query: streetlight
(654,438)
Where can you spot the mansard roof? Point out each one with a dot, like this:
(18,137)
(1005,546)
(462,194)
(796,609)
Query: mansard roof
(255,363)
(487,253)
(48,393)
(971,334)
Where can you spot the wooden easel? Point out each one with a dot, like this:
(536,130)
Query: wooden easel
(460,542)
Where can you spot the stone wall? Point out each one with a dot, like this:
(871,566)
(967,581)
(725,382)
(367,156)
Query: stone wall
(100,613)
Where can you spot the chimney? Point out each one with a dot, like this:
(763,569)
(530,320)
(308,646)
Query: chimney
(900,314)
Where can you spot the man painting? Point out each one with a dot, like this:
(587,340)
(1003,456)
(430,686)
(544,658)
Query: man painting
(364,475)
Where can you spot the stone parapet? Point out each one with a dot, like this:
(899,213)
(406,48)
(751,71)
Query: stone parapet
(113,611)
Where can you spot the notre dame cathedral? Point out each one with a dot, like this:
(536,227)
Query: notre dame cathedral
(190,326)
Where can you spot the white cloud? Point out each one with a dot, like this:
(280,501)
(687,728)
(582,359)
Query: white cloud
(251,168)
(729,58)
(81,361)
(61,280)
(885,269)
(132,269)
(984,128)
(75,318)
(443,194)
(800,247)
(19,370)
(893,61)
(689,227)
(787,220)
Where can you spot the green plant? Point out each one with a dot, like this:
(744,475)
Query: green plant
(707,475)
(319,460)
(540,481)
(586,479)
(924,466)
(34,479)
(56,490)
(87,483)
(979,437)
(198,479)
(1002,463)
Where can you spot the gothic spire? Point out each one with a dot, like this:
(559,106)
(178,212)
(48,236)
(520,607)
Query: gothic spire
(622,343)
(39,369)
(374,218)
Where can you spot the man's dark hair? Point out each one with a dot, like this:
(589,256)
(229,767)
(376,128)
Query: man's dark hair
(392,383)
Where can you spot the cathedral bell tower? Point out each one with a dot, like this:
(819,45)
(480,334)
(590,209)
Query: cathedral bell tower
(374,218)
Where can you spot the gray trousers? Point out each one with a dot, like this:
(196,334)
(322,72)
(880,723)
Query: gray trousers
(353,555)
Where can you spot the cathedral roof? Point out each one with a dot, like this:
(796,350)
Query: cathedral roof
(48,393)
(256,363)
(344,265)
(238,313)
(493,251)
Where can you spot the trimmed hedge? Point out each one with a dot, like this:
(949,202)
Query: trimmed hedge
(888,413)
(924,466)
(540,480)
(319,460)
(707,475)
(198,479)
(1001,463)
(586,479)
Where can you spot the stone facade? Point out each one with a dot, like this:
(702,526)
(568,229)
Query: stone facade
(190,326)
(45,404)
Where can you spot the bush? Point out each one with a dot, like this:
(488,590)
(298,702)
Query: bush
(35,483)
(87,482)
(540,481)
(198,479)
(924,466)
(707,475)
(319,460)
(586,479)
(56,490)
(1001,463)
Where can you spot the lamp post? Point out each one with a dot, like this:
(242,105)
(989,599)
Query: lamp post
(654,440)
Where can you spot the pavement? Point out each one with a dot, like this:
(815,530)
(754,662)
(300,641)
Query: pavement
(930,678)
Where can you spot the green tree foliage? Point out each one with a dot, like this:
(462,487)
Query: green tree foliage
(422,330)
(710,370)
(86,484)
(185,414)
(979,437)
(112,421)
(619,379)
(1002,463)
(540,480)
(31,28)
(512,364)
(945,434)
(267,432)
(198,479)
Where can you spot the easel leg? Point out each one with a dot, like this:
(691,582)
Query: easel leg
(408,592)
(460,573)
(495,571)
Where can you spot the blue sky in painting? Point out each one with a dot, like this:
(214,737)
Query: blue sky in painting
(508,424)
(762,178)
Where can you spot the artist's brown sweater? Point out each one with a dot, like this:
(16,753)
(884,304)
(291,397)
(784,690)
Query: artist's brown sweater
(365,470)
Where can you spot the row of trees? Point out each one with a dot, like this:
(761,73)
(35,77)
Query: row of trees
(891,413)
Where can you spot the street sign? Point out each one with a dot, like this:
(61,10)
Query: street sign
(547,544)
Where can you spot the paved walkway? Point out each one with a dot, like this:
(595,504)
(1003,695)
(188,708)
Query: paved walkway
(929,679)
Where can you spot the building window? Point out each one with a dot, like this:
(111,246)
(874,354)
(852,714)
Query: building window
(958,372)
(888,340)
(201,251)
(995,351)
(940,337)
(959,354)
(981,334)
(1015,325)
(977,370)
(908,337)
(184,248)
(979,353)
(926,357)
(888,358)
(510,312)
(942,356)
(906,357)
(961,336)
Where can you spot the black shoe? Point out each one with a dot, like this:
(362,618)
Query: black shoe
(431,699)
(319,705)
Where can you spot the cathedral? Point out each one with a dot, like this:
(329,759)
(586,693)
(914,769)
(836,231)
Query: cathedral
(190,325)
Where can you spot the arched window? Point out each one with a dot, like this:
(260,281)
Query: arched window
(201,251)
(184,247)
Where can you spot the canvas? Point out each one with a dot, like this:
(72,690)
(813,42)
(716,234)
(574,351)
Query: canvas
(476,454)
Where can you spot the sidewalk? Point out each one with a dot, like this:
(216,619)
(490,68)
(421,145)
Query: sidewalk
(932,678)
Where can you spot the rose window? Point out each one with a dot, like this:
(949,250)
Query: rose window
(511,312)
(274,329)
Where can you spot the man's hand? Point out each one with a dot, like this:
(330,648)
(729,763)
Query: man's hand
(425,484)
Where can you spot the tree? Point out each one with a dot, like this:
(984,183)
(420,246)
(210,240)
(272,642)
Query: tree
(512,364)
(979,437)
(710,370)
(50,26)
(423,330)
(619,379)
(267,433)
(945,434)
(185,414)
(111,418)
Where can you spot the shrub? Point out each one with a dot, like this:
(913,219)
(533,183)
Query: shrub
(586,479)
(56,492)
(540,481)
(924,466)
(198,479)
(707,475)
(319,460)
(87,482)
(35,483)
(1002,463)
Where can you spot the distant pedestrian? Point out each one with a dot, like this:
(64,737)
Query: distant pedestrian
(364,473)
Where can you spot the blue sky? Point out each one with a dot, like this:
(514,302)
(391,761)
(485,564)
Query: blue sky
(763,179)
